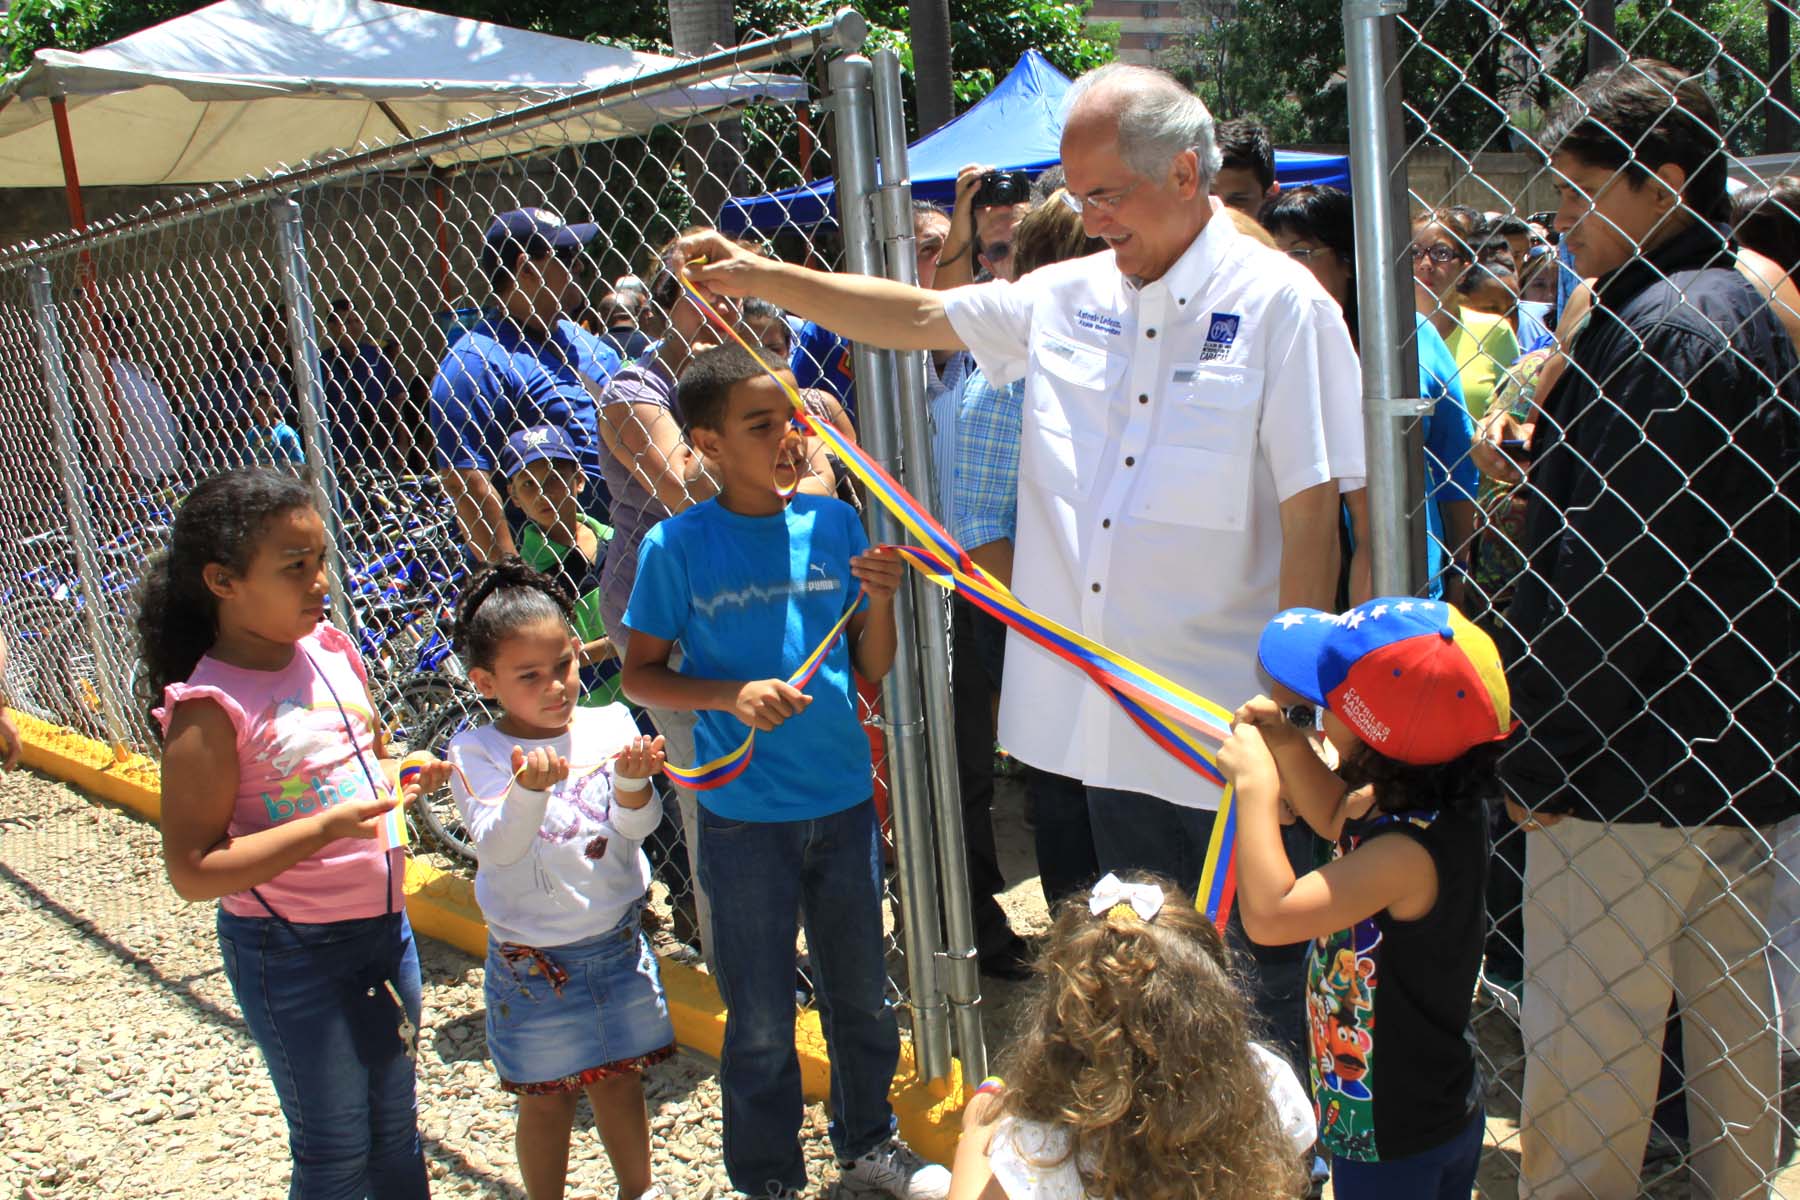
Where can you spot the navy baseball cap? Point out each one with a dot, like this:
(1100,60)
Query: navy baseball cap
(530,232)
(532,445)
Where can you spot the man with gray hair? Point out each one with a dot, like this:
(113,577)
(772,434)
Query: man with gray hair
(1192,400)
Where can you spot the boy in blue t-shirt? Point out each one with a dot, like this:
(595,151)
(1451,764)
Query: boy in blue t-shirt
(748,584)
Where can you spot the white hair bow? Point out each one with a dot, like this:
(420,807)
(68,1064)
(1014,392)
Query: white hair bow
(1145,899)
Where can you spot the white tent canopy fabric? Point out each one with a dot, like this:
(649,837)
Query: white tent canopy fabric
(242,87)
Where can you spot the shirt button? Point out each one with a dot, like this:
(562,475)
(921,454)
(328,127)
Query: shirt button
(1143,398)
(1129,461)
(1106,524)
(1096,587)
(1149,333)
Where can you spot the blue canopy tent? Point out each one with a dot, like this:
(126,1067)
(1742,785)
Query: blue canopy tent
(1017,127)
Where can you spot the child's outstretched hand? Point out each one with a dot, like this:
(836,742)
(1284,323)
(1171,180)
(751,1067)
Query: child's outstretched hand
(641,758)
(880,572)
(432,776)
(765,703)
(540,770)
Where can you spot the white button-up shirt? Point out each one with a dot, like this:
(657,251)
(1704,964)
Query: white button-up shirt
(1163,425)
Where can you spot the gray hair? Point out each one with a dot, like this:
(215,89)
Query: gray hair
(1158,118)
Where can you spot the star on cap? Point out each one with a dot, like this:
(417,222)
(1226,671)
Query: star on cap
(1353,618)
(1404,606)
(1378,612)
(1289,620)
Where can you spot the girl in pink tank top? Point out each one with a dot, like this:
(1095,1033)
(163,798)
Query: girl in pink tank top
(274,789)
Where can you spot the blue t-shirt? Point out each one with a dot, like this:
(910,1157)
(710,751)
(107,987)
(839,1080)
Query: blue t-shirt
(1450,471)
(1534,327)
(749,598)
(822,359)
(274,446)
(496,381)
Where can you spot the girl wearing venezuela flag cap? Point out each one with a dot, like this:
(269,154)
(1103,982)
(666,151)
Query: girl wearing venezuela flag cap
(1415,706)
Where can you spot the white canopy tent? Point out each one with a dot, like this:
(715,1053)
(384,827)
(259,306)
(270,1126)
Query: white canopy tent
(242,87)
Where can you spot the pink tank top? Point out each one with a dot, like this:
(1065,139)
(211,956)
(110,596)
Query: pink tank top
(296,757)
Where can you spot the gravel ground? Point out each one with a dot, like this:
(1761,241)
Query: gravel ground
(126,1072)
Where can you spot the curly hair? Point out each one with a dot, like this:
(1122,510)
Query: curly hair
(1472,778)
(501,600)
(221,521)
(1136,1040)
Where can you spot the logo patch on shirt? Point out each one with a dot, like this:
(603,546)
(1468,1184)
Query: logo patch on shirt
(1219,336)
(1089,319)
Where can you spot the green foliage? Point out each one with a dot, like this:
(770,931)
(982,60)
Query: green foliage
(1476,75)
(30,25)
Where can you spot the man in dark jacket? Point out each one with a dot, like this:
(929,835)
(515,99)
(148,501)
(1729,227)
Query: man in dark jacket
(1654,667)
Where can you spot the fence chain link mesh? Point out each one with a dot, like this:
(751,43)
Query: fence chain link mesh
(186,350)
(1628,961)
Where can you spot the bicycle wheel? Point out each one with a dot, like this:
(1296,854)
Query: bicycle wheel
(36,644)
(410,706)
(436,814)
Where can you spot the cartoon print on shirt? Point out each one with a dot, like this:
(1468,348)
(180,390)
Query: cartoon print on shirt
(302,739)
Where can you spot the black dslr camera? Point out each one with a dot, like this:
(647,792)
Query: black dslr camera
(1003,189)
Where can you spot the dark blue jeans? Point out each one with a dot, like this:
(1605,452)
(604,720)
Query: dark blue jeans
(1135,832)
(1445,1172)
(765,877)
(314,999)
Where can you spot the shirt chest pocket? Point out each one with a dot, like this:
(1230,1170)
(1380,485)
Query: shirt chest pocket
(1198,474)
(1069,387)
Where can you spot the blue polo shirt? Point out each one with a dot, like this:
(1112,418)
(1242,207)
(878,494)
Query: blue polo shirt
(496,380)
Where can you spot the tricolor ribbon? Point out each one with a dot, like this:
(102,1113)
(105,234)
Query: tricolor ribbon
(722,770)
(1170,714)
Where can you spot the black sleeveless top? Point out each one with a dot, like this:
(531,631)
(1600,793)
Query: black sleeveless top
(1393,1059)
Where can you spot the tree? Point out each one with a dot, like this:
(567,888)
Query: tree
(931,62)
(713,154)
(1476,74)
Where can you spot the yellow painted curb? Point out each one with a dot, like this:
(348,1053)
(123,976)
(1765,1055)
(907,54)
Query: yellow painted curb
(442,905)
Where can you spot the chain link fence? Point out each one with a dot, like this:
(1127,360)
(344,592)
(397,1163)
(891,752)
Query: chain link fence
(345,321)
(1610,491)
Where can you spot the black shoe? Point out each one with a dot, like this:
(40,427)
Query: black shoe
(1011,963)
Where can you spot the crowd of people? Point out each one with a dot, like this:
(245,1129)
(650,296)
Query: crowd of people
(1148,422)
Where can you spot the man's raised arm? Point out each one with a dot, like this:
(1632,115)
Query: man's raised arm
(862,308)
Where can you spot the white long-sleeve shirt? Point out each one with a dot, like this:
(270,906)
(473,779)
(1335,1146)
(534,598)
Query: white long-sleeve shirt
(560,865)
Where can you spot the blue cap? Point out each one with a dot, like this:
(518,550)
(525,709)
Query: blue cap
(530,232)
(530,445)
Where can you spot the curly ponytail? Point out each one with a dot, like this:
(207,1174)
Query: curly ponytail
(501,600)
(221,521)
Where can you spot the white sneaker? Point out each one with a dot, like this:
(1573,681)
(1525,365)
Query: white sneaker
(655,1193)
(896,1171)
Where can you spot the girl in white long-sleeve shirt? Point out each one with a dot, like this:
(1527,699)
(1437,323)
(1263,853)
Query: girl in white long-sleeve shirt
(557,799)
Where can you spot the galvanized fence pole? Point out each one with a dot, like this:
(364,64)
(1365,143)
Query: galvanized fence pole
(309,390)
(963,978)
(75,495)
(908,774)
(1391,407)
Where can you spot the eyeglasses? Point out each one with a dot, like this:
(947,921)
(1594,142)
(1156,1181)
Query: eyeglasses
(1439,254)
(998,252)
(1305,254)
(1100,202)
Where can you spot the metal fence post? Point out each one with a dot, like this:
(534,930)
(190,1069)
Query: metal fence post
(908,782)
(963,979)
(75,495)
(1396,456)
(309,390)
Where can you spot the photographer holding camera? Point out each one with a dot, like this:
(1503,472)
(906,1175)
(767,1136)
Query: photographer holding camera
(989,206)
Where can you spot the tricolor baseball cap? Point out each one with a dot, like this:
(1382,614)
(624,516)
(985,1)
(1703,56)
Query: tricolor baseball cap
(1415,679)
(533,445)
(531,232)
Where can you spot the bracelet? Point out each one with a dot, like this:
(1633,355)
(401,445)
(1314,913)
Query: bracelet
(630,783)
(993,1083)
(945,252)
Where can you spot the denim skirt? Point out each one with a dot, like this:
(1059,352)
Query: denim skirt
(562,1017)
